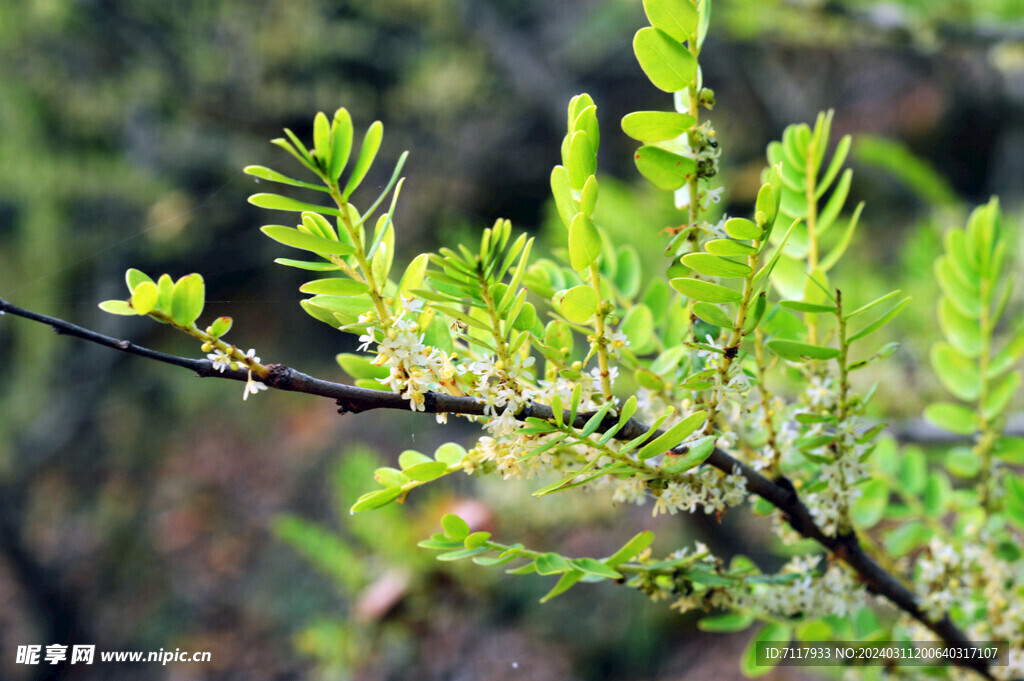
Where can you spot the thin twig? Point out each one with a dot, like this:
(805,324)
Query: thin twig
(350,399)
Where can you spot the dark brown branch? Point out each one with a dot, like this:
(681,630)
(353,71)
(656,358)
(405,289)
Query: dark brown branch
(780,493)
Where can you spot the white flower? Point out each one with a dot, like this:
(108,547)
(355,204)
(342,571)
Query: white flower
(616,342)
(252,387)
(220,359)
(365,340)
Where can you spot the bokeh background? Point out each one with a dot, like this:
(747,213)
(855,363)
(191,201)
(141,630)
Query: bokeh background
(142,508)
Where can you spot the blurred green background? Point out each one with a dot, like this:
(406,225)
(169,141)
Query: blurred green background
(142,508)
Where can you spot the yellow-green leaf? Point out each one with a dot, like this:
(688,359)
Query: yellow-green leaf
(188,299)
(584,242)
(798,352)
(144,297)
(956,371)
(677,18)
(656,126)
(579,304)
(668,64)
(367,153)
(695,289)
(334,287)
(664,169)
(715,266)
(119,307)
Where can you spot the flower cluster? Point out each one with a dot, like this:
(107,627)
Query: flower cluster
(505,388)
(415,368)
(943,579)
(807,593)
(705,488)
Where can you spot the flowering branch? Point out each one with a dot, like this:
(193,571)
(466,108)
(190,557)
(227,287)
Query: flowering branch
(351,399)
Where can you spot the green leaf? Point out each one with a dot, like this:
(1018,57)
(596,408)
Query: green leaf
(726,622)
(729,247)
(694,456)
(278,202)
(334,287)
(673,436)
(880,322)
(166,286)
(390,477)
(450,453)
(372,500)
(359,366)
(477,539)
(999,395)
(906,538)
(270,175)
(293,148)
(411,457)
(668,64)
(188,299)
(961,331)
(741,228)
(1009,449)
(630,549)
(119,307)
(579,303)
(588,197)
(134,277)
(656,126)
(561,190)
(664,169)
(968,302)
(754,318)
(962,462)
(869,508)
(461,554)
(566,582)
(144,297)
(307,265)
(307,242)
(552,564)
(455,528)
(957,372)
(341,143)
(367,153)
(499,560)
(322,139)
(798,352)
(582,159)
(677,18)
(705,291)
(584,242)
(715,266)
(628,271)
(592,566)
(913,471)
(426,471)
(220,326)
(874,303)
(844,240)
(414,273)
(712,314)
(773,632)
(801,306)
(952,417)
(936,493)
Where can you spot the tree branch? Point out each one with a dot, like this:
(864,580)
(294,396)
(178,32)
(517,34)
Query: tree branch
(350,399)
